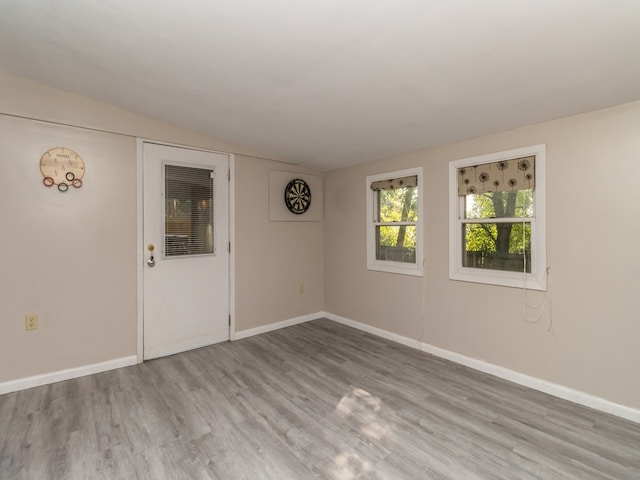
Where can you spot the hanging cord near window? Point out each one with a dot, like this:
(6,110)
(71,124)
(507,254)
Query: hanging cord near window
(424,294)
(546,297)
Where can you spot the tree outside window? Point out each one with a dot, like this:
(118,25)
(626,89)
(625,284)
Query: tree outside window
(497,218)
(498,245)
(394,230)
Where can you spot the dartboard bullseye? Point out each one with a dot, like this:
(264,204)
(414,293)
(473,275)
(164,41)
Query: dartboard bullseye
(297,196)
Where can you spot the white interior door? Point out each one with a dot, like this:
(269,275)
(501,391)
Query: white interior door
(186,230)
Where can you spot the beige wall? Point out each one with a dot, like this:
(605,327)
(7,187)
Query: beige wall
(68,257)
(24,98)
(273,258)
(590,341)
(71,258)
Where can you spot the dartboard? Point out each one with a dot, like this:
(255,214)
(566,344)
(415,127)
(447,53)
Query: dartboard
(297,196)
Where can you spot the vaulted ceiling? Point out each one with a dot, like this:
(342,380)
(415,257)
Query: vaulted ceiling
(332,83)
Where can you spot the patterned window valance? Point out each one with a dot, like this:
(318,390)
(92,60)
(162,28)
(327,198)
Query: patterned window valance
(393,183)
(503,176)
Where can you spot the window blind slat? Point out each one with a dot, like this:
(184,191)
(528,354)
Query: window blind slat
(189,211)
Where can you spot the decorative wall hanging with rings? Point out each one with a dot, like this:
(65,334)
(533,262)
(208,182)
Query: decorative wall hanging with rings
(62,167)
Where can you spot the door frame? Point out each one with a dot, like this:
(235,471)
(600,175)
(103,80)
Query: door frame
(140,255)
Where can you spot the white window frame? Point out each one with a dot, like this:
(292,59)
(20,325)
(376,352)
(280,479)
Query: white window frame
(537,279)
(387,265)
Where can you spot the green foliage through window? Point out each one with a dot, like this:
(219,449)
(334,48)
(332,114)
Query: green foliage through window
(397,242)
(499,245)
(514,204)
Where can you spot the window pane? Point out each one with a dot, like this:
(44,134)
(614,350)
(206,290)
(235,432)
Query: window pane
(398,205)
(497,246)
(513,204)
(396,243)
(188,211)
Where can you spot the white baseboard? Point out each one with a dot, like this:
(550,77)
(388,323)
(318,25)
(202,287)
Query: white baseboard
(373,330)
(53,377)
(560,391)
(278,325)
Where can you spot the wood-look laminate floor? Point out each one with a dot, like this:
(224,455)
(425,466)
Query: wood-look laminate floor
(317,400)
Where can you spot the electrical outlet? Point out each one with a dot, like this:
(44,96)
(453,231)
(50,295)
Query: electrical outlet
(301,288)
(31,321)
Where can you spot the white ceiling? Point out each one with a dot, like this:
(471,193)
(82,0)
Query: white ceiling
(332,83)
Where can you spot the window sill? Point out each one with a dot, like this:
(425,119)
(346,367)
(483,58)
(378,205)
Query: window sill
(500,278)
(397,267)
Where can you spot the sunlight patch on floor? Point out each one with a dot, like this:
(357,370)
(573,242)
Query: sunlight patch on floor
(361,410)
(349,466)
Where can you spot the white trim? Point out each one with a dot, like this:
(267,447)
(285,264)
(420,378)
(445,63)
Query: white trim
(537,279)
(53,377)
(140,238)
(232,242)
(139,253)
(560,391)
(278,325)
(415,269)
(409,342)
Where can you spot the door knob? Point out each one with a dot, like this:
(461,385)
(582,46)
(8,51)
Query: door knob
(151,261)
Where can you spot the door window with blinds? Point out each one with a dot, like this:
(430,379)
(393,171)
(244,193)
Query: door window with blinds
(394,229)
(497,219)
(189,211)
